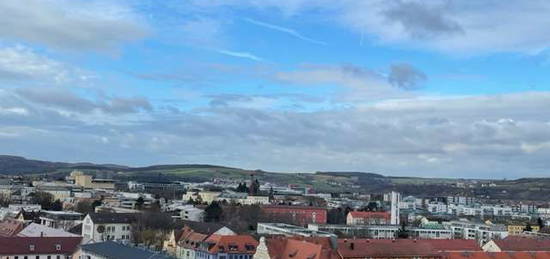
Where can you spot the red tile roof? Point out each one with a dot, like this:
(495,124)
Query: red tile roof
(39,245)
(236,244)
(516,243)
(10,227)
(370,214)
(357,248)
(497,255)
(300,248)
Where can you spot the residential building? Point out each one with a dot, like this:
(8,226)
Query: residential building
(227,247)
(517,228)
(482,232)
(38,247)
(298,215)
(289,230)
(192,213)
(296,248)
(193,234)
(368,218)
(60,219)
(37,230)
(360,231)
(97,227)
(402,248)
(514,243)
(10,227)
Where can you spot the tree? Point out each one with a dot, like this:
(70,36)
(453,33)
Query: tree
(528,227)
(4,200)
(57,205)
(84,207)
(403,232)
(96,203)
(43,198)
(540,222)
(151,228)
(213,213)
(139,203)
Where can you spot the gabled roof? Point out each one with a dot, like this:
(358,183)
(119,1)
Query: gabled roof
(237,244)
(280,247)
(206,228)
(113,218)
(10,227)
(37,230)
(516,243)
(38,245)
(352,248)
(496,255)
(111,249)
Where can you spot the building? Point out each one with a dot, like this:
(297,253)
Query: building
(38,247)
(368,218)
(360,231)
(430,233)
(227,247)
(402,248)
(60,219)
(37,230)
(513,244)
(88,182)
(111,249)
(10,227)
(193,235)
(482,232)
(201,196)
(289,230)
(192,213)
(494,255)
(518,228)
(296,248)
(394,208)
(97,227)
(298,215)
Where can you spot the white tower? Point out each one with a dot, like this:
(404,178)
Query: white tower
(395,198)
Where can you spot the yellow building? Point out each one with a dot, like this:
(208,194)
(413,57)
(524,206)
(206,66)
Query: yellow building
(87,181)
(518,228)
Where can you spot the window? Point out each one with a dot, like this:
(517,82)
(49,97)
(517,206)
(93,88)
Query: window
(58,247)
(31,247)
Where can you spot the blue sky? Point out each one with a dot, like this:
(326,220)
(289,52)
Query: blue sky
(404,87)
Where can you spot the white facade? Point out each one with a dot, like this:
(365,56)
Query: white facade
(189,212)
(92,232)
(395,198)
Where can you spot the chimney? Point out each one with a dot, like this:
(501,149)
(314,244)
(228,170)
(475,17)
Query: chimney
(351,246)
(41,234)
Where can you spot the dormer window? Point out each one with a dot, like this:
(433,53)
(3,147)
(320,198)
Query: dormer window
(31,247)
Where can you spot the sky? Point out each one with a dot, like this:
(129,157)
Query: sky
(441,88)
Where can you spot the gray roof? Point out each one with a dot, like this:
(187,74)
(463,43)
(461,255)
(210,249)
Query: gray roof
(113,218)
(114,250)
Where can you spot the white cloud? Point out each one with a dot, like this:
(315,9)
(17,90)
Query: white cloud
(21,63)
(75,24)
(289,31)
(238,54)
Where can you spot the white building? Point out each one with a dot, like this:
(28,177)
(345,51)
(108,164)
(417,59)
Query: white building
(60,219)
(395,198)
(289,230)
(190,212)
(98,227)
(481,232)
